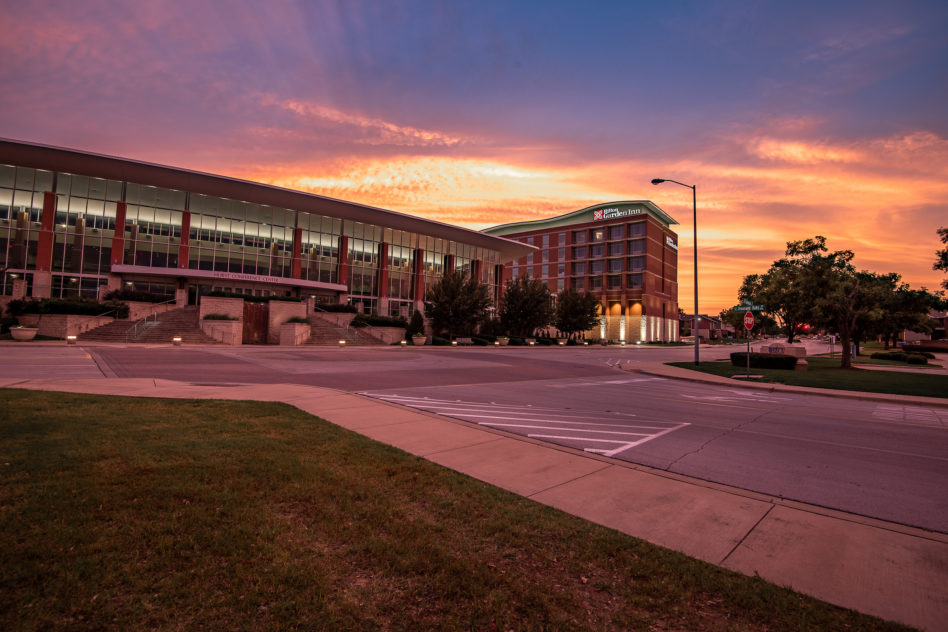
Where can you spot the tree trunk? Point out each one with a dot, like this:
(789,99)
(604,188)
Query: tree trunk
(847,359)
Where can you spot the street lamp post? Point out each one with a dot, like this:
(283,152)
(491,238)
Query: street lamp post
(694,206)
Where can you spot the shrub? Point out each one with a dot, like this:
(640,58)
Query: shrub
(481,342)
(335,308)
(517,342)
(916,358)
(764,360)
(361,320)
(123,294)
(417,324)
(898,356)
(5,323)
(301,320)
(219,317)
(80,307)
(438,341)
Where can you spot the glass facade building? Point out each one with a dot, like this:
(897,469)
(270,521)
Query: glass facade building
(74,224)
(623,252)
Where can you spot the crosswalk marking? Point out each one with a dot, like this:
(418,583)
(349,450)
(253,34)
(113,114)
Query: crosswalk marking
(586,430)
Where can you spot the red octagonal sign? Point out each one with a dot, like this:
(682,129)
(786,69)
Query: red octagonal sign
(748,320)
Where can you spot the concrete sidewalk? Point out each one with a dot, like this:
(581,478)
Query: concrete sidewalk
(888,570)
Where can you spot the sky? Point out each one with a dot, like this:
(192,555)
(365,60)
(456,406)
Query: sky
(792,119)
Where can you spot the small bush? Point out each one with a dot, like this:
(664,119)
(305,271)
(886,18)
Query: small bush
(135,295)
(362,320)
(6,322)
(916,358)
(764,360)
(219,317)
(417,324)
(301,320)
(438,341)
(517,342)
(481,342)
(336,308)
(79,307)
(898,356)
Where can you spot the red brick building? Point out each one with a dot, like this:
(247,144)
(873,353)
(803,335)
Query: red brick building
(623,252)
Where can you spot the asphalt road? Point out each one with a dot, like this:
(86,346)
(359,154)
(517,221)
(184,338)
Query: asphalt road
(881,460)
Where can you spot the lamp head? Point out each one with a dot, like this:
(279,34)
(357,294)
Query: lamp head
(657,180)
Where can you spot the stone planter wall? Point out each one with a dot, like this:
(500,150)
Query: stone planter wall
(280,312)
(388,335)
(295,333)
(62,325)
(339,319)
(229,332)
(139,309)
(233,307)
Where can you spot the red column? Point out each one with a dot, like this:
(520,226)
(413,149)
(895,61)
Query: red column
(343,261)
(44,247)
(449,264)
(383,270)
(184,248)
(118,239)
(476,270)
(296,266)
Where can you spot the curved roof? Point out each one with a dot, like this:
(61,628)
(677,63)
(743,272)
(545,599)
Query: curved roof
(101,166)
(588,214)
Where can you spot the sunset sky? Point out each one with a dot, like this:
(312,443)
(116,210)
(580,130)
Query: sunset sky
(792,118)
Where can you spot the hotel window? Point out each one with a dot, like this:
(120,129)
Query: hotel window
(560,269)
(545,271)
(596,267)
(637,229)
(579,252)
(637,247)
(635,282)
(579,283)
(561,254)
(616,265)
(615,282)
(560,285)
(579,236)
(561,239)
(598,234)
(579,267)
(546,240)
(597,250)
(636,264)
(545,254)
(595,283)
(530,259)
(617,232)
(617,249)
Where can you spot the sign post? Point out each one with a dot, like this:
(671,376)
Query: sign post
(748,325)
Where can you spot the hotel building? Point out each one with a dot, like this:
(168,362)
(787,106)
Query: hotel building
(625,253)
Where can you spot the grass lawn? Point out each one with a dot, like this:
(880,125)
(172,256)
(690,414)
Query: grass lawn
(824,372)
(129,514)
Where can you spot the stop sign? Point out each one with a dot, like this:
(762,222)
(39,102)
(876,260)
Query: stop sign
(748,320)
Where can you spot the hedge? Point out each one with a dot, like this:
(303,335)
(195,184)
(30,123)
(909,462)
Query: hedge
(764,360)
(116,309)
(903,356)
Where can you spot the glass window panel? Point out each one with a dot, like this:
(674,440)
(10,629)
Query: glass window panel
(7,176)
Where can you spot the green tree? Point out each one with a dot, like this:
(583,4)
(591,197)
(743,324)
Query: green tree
(781,293)
(527,306)
(941,262)
(456,304)
(575,312)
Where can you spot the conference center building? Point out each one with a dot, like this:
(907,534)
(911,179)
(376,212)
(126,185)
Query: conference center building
(625,253)
(76,224)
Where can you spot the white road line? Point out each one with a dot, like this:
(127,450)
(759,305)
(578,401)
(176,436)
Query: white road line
(637,443)
(555,421)
(610,432)
(584,439)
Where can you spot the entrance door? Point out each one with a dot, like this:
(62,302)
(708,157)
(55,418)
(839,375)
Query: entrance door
(256,316)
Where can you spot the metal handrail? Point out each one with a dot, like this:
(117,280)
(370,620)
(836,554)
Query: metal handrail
(134,332)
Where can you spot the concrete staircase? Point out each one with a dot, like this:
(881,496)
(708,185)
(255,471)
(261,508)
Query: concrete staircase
(327,334)
(182,323)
